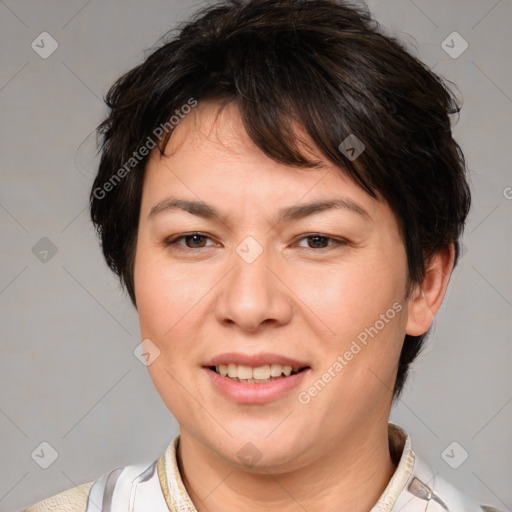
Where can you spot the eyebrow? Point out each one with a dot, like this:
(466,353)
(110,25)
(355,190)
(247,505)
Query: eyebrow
(290,213)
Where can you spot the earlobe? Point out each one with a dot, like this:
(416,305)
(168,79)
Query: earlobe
(428,295)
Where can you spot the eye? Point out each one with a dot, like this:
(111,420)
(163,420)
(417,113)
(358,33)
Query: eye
(190,241)
(200,241)
(319,241)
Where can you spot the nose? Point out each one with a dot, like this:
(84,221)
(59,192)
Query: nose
(252,295)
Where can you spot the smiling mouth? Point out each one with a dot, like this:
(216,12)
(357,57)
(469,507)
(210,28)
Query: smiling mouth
(256,375)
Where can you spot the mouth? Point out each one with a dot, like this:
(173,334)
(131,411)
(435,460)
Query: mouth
(256,374)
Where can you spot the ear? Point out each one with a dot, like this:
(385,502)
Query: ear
(427,296)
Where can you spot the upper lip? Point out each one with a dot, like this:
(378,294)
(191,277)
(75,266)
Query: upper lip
(254,360)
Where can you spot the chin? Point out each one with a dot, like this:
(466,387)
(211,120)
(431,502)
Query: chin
(261,452)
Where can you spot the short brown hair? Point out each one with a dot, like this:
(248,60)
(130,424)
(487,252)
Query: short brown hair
(323,65)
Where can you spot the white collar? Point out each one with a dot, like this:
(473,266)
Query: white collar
(158,486)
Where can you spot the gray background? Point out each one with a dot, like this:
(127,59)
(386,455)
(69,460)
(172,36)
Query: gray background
(69,375)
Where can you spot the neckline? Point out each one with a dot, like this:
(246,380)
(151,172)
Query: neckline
(177,497)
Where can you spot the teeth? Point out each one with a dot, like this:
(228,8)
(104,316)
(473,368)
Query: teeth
(260,372)
(232,370)
(275,370)
(244,372)
(265,372)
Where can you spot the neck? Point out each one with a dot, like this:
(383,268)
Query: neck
(347,475)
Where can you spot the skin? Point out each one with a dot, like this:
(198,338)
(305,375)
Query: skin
(198,298)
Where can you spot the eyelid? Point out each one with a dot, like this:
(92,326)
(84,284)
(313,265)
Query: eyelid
(336,241)
(174,239)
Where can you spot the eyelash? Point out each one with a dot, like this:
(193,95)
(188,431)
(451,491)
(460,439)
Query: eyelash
(335,242)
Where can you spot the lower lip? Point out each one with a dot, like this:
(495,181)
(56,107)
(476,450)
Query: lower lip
(247,393)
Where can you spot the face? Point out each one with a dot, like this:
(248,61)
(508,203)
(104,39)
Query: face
(246,262)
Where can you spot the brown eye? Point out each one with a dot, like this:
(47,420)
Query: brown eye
(190,241)
(318,241)
(195,241)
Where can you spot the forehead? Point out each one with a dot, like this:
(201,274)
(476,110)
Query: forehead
(210,157)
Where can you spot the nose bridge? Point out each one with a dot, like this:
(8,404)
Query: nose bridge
(251,294)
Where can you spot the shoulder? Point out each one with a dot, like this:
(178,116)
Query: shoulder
(428,491)
(72,500)
(416,487)
(132,487)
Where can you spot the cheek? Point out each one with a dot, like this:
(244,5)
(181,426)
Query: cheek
(165,303)
(346,299)
(166,296)
(359,314)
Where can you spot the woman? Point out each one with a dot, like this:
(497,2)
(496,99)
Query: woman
(281,195)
